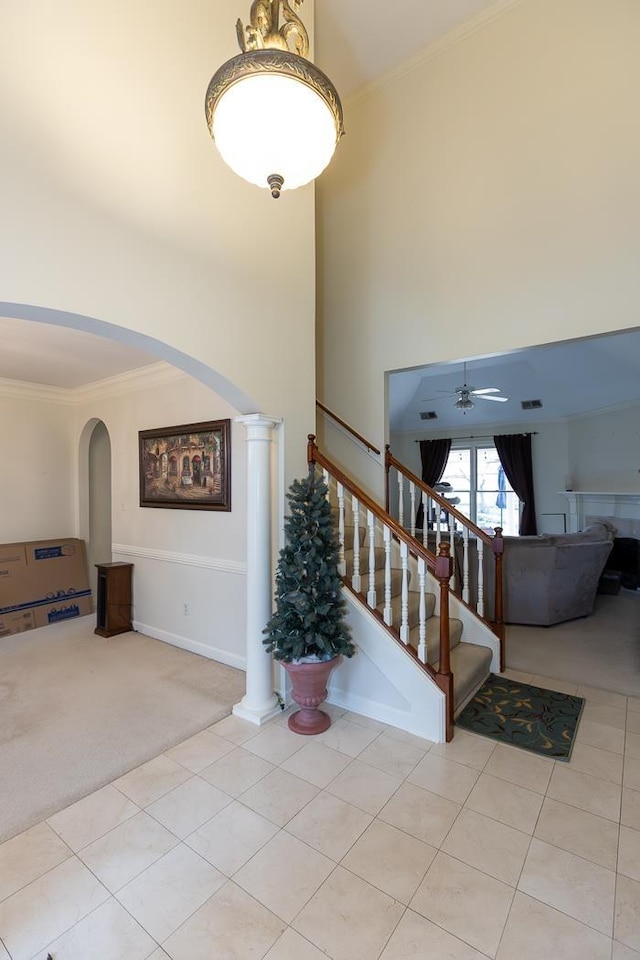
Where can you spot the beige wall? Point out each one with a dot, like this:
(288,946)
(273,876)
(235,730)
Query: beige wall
(37,480)
(118,211)
(484,200)
(604,451)
(180,557)
(160,397)
(191,557)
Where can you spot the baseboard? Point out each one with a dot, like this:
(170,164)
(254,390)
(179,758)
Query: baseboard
(193,646)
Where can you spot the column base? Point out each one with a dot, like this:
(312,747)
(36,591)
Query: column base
(257,714)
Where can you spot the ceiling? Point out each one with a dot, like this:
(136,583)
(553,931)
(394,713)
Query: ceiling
(160,131)
(356,42)
(570,378)
(60,357)
(359,41)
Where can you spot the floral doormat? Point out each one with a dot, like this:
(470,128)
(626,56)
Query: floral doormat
(543,721)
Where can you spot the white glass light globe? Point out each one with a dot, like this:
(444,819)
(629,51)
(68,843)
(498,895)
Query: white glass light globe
(266,125)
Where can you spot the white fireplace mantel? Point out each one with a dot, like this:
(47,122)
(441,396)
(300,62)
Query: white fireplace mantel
(621,509)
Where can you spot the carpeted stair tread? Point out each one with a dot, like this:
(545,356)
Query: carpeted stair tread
(414,608)
(364,560)
(349,534)
(470,665)
(379,580)
(433,637)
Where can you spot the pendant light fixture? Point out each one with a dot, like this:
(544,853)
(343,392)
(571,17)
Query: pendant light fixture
(274,116)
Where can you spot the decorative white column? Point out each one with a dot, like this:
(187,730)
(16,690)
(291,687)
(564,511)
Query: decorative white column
(259,703)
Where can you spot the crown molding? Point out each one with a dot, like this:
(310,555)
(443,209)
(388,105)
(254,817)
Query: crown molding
(603,411)
(154,375)
(144,378)
(519,426)
(22,390)
(467,29)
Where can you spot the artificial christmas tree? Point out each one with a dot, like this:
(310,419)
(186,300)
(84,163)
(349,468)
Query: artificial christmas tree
(308,632)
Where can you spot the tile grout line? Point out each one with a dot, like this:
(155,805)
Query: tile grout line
(336,864)
(350,758)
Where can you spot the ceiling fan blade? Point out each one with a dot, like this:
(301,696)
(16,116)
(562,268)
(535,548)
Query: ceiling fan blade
(483,396)
(479,393)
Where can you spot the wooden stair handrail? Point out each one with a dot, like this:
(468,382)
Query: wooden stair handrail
(390,461)
(314,456)
(347,427)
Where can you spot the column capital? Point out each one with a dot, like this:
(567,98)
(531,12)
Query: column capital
(257,425)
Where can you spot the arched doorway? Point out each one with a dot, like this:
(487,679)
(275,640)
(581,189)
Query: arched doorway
(99,545)
(255,591)
(94,495)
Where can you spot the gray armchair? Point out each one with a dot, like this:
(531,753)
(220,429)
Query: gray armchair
(547,579)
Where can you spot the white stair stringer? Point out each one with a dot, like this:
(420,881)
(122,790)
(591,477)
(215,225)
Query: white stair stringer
(384,681)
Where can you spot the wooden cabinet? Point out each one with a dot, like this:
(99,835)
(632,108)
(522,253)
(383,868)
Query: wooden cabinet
(114,601)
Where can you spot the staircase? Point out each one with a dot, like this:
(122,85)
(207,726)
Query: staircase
(407,590)
(469,662)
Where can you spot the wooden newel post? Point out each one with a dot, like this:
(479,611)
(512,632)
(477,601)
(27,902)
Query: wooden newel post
(387,468)
(311,451)
(443,571)
(498,553)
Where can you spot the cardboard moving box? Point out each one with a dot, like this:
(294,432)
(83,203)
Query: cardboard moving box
(42,582)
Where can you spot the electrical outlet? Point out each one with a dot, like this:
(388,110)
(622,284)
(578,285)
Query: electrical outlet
(185,608)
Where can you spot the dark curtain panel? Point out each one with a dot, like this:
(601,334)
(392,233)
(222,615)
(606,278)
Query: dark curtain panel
(514,451)
(434,455)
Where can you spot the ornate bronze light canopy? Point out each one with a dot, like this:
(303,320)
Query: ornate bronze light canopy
(275,117)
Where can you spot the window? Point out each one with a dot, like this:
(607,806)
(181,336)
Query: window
(486,497)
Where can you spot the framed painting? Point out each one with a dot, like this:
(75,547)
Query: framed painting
(187,467)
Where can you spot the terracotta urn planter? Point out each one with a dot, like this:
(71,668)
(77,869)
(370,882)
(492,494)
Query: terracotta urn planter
(309,690)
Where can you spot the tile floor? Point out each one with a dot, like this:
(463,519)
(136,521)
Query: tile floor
(362,843)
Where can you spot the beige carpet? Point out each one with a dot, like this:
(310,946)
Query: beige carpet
(77,710)
(602,650)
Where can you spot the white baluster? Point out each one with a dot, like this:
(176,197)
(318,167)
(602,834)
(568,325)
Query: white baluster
(326,478)
(412,501)
(400,499)
(404,615)
(388,612)
(422,629)
(480,578)
(342,567)
(453,583)
(371,594)
(425,518)
(356,580)
(465,565)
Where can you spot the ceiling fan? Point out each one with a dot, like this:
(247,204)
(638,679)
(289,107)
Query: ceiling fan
(466,395)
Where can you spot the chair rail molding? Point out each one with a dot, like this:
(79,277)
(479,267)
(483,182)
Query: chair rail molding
(186,559)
